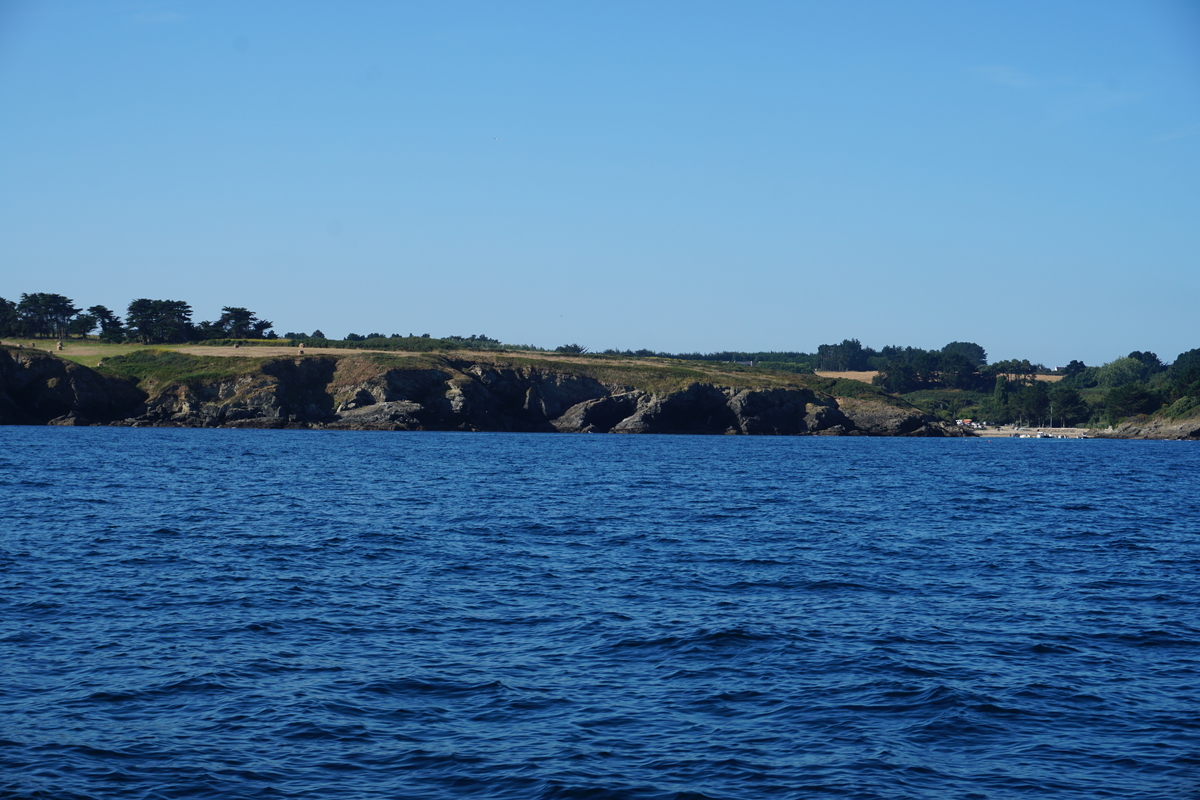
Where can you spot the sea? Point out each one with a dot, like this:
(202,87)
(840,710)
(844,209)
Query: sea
(225,614)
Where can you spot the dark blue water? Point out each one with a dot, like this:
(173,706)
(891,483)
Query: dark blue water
(268,614)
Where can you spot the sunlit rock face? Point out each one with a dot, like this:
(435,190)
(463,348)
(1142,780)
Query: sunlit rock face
(353,393)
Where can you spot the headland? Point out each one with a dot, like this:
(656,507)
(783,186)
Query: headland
(464,390)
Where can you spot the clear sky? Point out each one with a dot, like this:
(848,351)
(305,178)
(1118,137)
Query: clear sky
(676,175)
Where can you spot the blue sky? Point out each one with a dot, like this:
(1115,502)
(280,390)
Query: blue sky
(675,176)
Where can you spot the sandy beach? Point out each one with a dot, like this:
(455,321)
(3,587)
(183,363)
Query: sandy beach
(1014,432)
(866,377)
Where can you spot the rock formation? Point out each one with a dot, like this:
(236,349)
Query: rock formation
(358,393)
(37,388)
(1154,428)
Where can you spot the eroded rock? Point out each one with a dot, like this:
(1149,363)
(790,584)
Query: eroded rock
(354,393)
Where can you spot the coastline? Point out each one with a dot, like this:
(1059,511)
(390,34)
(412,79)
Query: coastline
(327,388)
(443,391)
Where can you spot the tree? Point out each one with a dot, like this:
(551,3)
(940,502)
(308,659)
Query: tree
(1067,405)
(973,352)
(235,323)
(44,314)
(1079,375)
(1121,372)
(208,329)
(354,337)
(111,328)
(9,320)
(845,357)
(1150,360)
(570,348)
(1187,361)
(928,368)
(1031,402)
(1020,371)
(159,321)
(1074,368)
(1184,375)
(897,377)
(317,334)
(1128,400)
(995,408)
(82,325)
(958,371)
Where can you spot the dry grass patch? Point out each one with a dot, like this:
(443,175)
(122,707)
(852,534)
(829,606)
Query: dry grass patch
(865,377)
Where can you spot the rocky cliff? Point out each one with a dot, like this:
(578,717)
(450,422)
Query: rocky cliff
(362,392)
(37,388)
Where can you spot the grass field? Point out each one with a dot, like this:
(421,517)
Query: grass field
(650,374)
(85,353)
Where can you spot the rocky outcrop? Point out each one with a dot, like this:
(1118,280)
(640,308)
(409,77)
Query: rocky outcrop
(284,393)
(1155,428)
(771,411)
(37,388)
(699,408)
(600,415)
(874,417)
(358,393)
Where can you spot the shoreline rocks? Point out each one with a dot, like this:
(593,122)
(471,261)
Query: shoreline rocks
(1150,428)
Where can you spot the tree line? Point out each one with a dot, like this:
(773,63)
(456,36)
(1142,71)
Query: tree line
(146,321)
(54,316)
(1011,391)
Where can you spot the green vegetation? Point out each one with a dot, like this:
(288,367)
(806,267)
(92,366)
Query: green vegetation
(39,315)
(151,368)
(1018,400)
(1131,386)
(948,404)
(779,361)
(845,387)
(43,315)
(661,375)
(90,356)
(795,367)
(1183,408)
(1137,384)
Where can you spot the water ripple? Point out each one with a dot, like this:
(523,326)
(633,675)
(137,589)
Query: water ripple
(237,614)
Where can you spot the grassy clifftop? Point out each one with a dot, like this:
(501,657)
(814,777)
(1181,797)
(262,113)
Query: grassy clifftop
(152,368)
(155,367)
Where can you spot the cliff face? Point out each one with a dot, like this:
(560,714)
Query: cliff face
(356,393)
(38,389)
